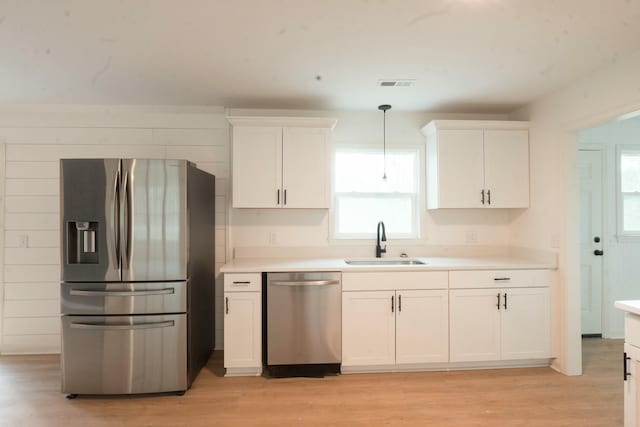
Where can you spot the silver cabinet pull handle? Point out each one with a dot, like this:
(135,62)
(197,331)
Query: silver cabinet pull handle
(80,292)
(305,282)
(125,327)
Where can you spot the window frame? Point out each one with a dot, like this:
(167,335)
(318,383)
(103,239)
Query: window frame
(623,234)
(415,196)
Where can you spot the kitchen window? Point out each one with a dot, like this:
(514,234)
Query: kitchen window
(629,200)
(362,197)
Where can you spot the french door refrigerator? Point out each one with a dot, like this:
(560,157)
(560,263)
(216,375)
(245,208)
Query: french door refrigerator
(137,271)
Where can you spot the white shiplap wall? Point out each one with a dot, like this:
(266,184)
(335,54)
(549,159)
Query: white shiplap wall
(32,143)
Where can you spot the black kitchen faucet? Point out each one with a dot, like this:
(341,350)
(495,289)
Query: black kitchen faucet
(380,250)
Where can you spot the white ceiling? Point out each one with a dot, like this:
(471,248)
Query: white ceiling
(465,55)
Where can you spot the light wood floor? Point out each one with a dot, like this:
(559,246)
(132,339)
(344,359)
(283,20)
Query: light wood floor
(29,396)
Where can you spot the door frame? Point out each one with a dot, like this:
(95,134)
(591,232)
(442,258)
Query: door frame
(601,147)
(3,148)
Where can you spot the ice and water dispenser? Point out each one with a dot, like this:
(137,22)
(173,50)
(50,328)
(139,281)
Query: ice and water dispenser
(82,244)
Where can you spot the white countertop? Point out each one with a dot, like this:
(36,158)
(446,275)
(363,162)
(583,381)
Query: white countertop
(257,265)
(630,306)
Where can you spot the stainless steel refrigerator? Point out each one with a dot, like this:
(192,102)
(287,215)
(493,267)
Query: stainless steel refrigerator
(137,271)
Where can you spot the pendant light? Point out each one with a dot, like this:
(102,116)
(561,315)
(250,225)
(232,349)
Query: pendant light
(384,108)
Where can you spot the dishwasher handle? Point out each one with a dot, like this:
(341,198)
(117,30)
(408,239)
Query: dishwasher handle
(304,282)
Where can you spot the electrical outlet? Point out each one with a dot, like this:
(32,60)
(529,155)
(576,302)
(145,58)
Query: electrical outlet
(472,236)
(273,237)
(23,241)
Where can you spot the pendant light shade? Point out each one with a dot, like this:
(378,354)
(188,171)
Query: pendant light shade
(384,108)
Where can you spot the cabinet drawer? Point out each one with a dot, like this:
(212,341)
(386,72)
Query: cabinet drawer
(243,282)
(499,279)
(632,329)
(393,280)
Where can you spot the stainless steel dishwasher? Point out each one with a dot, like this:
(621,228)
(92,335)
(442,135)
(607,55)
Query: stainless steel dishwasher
(304,318)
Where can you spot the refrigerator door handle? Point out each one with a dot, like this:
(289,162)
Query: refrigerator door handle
(125,215)
(116,217)
(79,292)
(126,327)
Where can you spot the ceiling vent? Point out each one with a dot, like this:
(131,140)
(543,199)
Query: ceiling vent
(396,82)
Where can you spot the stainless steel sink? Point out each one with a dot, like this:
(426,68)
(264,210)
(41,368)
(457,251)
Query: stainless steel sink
(384,262)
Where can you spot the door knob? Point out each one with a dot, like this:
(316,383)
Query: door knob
(596,239)
(598,252)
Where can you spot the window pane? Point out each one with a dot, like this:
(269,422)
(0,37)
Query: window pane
(360,215)
(362,172)
(630,172)
(631,206)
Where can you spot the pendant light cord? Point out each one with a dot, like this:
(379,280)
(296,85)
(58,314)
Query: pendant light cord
(384,144)
(384,109)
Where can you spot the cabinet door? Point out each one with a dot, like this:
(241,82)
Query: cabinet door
(460,168)
(257,167)
(631,382)
(368,328)
(305,168)
(475,325)
(506,168)
(242,330)
(422,326)
(526,331)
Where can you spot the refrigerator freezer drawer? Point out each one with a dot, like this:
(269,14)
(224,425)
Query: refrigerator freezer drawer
(124,354)
(123,298)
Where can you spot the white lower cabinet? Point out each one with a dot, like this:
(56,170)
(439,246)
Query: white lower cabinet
(394,327)
(499,324)
(631,383)
(242,324)
(422,326)
(475,325)
(368,328)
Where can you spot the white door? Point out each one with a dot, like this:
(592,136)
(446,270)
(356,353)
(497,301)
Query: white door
(257,167)
(474,325)
(368,328)
(590,163)
(305,168)
(460,168)
(526,323)
(242,330)
(422,326)
(506,168)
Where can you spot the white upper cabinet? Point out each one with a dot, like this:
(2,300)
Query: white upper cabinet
(456,166)
(477,164)
(506,168)
(281,162)
(305,172)
(257,166)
